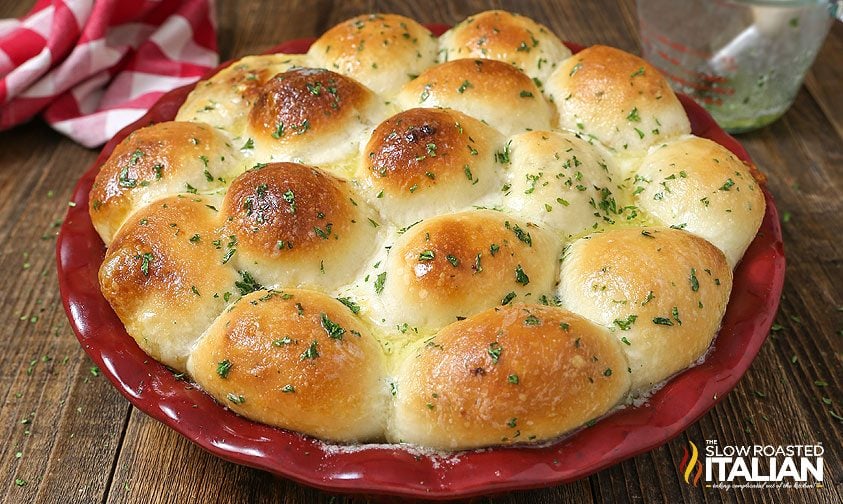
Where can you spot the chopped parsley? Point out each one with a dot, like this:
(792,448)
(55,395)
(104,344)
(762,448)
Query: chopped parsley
(286,340)
(124,180)
(427,255)
(334,330)
(379,282)
(520,276)
(626,324)
(236,399)
(223,367)
(312,351)
(146,259)
(290,198)
(522,235)
(633,115)
(247,284)
(494,351)
(502,156)
(675,314)
(354,307)
(323,233)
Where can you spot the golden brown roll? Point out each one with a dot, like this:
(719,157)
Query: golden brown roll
(662,291)
(295,359)
(700,186)
(292,225)
(383,51)
(224,100)
(563,182)
(459,264)
(507,37)
(497,93)
(424,162)
(616,98)
(513,374)
(315,115)
(157,161)
(163,276)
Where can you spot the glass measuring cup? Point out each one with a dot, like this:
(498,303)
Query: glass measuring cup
(743,60)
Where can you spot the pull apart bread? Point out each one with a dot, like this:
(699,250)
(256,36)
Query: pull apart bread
(454,242)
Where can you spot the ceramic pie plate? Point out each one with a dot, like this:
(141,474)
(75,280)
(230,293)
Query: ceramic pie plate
(394,469)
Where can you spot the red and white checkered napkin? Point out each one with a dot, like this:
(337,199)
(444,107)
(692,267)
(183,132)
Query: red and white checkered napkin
(92,67)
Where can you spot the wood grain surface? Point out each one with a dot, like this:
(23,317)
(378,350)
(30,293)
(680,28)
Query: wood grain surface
(70,437)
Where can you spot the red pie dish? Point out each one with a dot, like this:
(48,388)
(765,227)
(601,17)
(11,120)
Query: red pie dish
(396,469)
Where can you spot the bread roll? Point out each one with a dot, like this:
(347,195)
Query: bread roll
(382,51)
(459,264)
(507,37)
(564,183)
(424,162)
(295,359)
(163,277)
(156,161)
(224,100)
(497,93)
(311,114)
(292,225)
(513,374)
(700,186)
(616,98)
(662,291)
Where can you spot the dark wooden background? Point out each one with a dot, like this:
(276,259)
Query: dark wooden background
(80,441)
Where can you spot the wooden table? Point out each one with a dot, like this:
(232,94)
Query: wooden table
(72,438)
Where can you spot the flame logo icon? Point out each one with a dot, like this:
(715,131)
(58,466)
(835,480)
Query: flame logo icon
(691,464)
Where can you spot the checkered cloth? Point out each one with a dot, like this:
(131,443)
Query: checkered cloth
(90,68)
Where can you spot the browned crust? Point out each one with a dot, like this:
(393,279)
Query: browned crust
(146,157)
(303,101)
(420,148)
(286,368)
(485,77)
(470,255)
(498,32)
(487,380)
(601,73)
(165,251)
(287,209)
